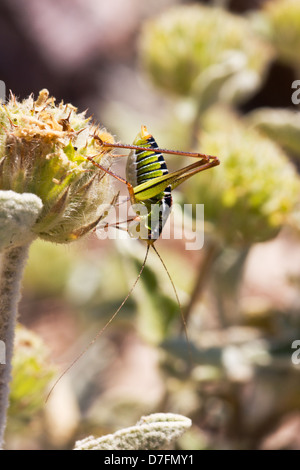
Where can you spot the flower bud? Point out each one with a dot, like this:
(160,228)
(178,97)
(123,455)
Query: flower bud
(43,149)
(253,193)
(283,19)
(205,53)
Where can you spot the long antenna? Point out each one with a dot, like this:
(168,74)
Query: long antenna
(178,301)
(102,329)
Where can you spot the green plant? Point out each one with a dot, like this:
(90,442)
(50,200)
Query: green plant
(48,189)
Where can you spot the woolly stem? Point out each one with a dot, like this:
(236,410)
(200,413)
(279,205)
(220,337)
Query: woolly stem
(13,262)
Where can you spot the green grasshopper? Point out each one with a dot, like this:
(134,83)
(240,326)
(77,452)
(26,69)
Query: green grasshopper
(150,188)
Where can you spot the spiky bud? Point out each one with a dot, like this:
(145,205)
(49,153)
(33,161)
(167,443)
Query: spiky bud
(42,151)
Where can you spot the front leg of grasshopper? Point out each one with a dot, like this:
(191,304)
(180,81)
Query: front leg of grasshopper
(119,178)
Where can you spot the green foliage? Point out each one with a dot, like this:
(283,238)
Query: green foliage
(31,375)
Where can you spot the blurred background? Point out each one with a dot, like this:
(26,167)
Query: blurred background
(211,76)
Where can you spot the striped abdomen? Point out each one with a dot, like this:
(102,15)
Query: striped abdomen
(145,165)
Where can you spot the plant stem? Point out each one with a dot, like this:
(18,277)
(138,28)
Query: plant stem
(228,274)
(203,275)
(13,262)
